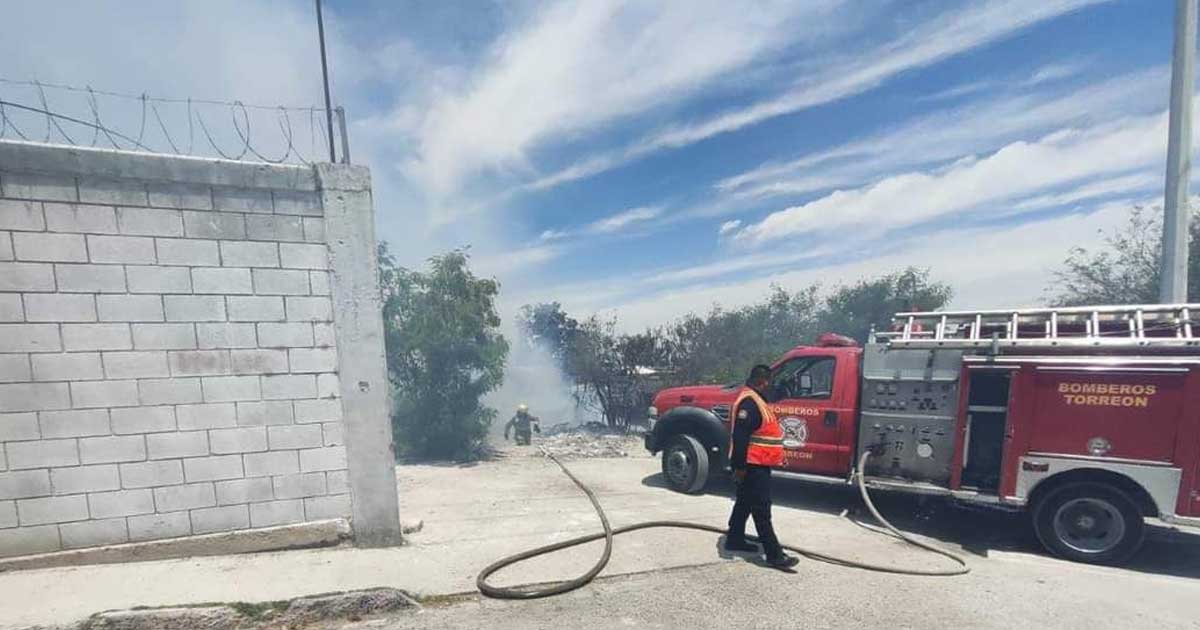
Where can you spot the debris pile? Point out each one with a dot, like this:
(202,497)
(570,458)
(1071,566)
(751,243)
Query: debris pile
(588,442)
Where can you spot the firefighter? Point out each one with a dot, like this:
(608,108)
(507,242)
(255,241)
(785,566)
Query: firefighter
(756,446)
(524,425)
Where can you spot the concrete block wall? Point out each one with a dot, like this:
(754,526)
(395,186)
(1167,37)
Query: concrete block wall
(168,364)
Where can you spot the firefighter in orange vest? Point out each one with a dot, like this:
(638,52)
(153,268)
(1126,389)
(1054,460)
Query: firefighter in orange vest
(756,447)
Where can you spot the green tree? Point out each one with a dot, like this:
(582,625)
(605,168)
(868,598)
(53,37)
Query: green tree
(444,352)
(547,326)
(853,309)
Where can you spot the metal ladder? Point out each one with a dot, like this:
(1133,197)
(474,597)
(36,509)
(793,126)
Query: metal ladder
(1137,325)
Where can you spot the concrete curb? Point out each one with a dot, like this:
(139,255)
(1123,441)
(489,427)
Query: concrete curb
(314,534)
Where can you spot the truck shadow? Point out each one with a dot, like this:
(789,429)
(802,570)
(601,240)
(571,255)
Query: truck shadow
(975,531)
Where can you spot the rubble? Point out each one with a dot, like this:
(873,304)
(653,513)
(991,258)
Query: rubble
(587,442)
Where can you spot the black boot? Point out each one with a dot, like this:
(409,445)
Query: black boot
(739,545)
(783,561)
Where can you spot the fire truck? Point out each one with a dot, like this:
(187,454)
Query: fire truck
(1086,418)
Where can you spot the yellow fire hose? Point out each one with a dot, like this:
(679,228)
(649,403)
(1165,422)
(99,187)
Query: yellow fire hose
(502,592)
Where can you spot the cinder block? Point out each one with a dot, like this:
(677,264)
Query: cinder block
(83,337)
(231,388)
(332,506)
(214,468)
(259,362)
(11,309)
(121,503)
(173,445)
(206,416)
(299,486)
(242,199)
(333,434)
(80,479)
(199,362)
(289,387)
(314,230)
(226,335)
(322,410)
(195,308)
(14,368)
(163,336)
(90,394)
(169,391)
(159,279)
(179,195)
(297,202)
(26,277)
(90,278)
(159,526)
(187,497)
(189,252)
(285,335)
(220,225)
(249,254)
(271,463)
(20,541)
(42,454)
(276,513)
(6,246)
(49,247)
(167,472)
(313,359)
(244,491)
(19,426)
(24,484)
(149,222)
(321,459)
(21,215)
(94,533)
(136,250)
(323,335)
(119,192)
(243,440)
(81,219)
(77,366)
(264,413)
(309,309)
(337,482)
(74,423)
(29,338)
(147,364)
(34,396)
(255,309)
(281,282)
(319,282)
(8,514)
(38,186)
(143,419)
(143,308)
(112,450)
(222,281)
(47,510)
(274,227)
(294,437)
(303,256)
(220,519)
(60,307)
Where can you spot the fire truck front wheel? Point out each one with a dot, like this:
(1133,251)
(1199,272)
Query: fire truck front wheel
(1089,522)
(685,464)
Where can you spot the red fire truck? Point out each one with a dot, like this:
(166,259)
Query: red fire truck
(1088,418)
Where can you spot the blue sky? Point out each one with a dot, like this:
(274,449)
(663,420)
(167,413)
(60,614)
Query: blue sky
(652,158)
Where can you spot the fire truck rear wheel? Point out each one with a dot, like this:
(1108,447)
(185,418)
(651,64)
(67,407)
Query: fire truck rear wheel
(685,464)
(1089,522)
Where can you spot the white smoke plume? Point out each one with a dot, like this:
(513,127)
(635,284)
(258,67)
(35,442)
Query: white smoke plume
(532,377)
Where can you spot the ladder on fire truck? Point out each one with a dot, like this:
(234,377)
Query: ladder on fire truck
(1137,326)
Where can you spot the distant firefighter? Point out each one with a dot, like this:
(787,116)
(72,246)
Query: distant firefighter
(524,425)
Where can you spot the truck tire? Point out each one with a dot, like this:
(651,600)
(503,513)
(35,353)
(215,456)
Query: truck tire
(1089,522)
(685,464)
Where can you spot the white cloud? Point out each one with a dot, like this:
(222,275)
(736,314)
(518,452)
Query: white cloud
(1055,72)
(1123,185)
(728,227)
(620,221)
(509,262)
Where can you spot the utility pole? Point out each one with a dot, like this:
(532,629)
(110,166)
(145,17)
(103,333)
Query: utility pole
(1173,268)
(325,76)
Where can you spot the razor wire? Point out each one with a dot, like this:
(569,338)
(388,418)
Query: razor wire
(152,123)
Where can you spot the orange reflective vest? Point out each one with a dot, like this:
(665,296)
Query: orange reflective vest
(766,443)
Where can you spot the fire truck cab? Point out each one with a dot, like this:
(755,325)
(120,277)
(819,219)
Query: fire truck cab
(1087,418)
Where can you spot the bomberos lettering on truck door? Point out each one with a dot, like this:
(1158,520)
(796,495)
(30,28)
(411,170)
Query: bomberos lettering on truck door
(1106,394)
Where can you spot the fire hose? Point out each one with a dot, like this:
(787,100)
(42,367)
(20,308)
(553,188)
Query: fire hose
(504,592)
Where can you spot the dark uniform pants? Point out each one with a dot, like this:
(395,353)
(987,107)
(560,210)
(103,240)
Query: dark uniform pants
(754,499)
(524,437)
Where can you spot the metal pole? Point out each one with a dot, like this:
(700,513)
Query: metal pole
(341,114)
(1174,265)
(325,76)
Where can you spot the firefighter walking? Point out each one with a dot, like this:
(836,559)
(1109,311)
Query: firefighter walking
(756,446)
(524,425)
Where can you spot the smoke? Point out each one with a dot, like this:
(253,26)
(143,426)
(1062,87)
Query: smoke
(532,377)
